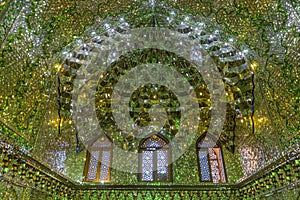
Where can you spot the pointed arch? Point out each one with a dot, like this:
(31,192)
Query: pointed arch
(210,160)
(155,159)
(98,161)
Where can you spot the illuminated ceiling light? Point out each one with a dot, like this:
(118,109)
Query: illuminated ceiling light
(253,66)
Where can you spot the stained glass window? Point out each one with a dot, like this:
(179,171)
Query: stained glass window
(154,159)
(153,141)
(210,161)
(204,165)
(98,162)
(147,166)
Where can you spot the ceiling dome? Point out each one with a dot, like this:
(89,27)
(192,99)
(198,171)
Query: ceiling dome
(76,72)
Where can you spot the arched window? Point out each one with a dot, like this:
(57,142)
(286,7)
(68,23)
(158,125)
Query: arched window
(98,161)
(210,161)
(155,159)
